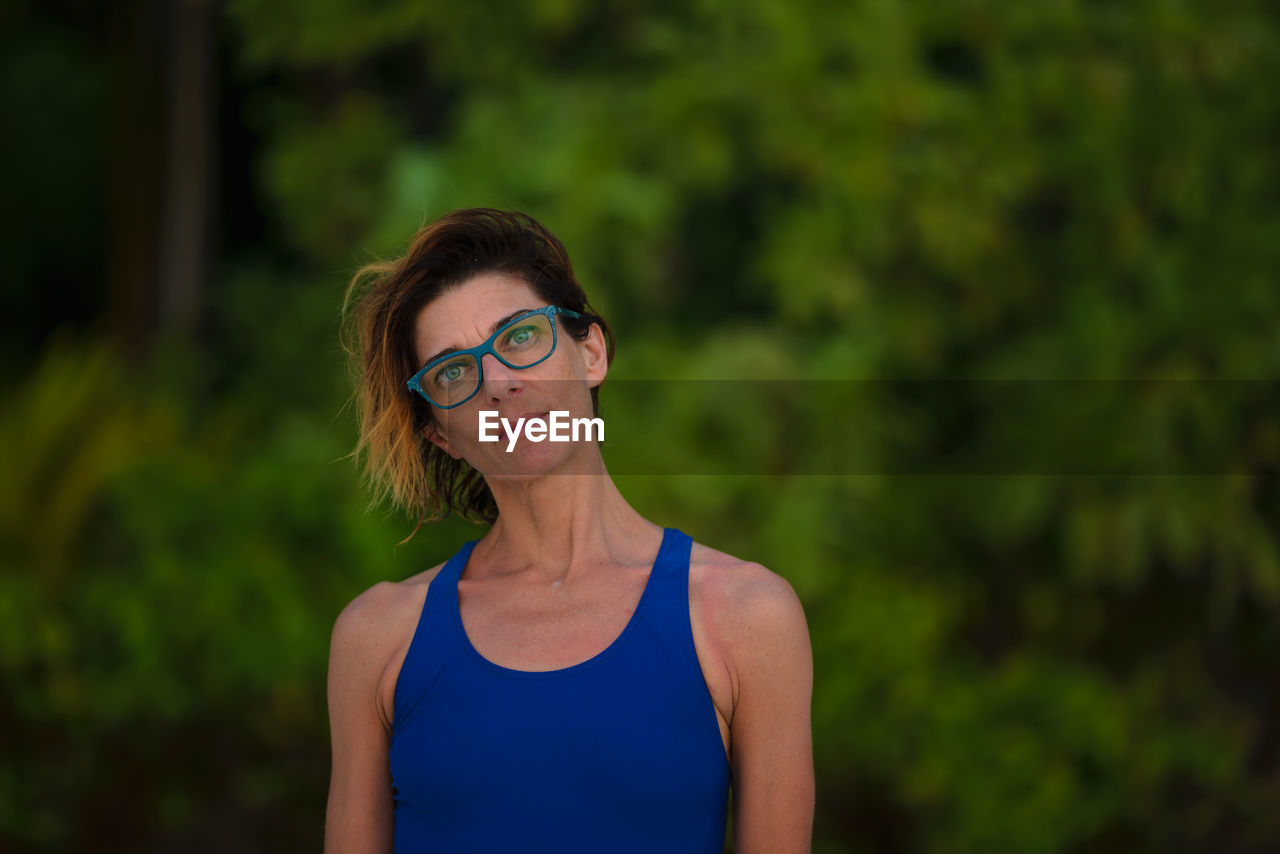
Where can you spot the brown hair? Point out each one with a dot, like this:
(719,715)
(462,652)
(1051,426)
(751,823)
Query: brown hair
(379,314)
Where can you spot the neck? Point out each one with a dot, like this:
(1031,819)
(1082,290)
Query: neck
(560,525)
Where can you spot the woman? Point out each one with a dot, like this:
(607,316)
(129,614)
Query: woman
(579,678)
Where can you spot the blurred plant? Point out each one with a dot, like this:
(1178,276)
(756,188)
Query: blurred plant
(165,598)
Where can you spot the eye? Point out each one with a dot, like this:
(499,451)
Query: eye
(452,373)
(520,336)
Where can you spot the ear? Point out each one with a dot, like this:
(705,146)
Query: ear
(433,435)
(595,356)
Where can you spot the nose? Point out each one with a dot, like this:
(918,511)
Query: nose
(500,381)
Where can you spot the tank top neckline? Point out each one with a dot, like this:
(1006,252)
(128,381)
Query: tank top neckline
(463,556)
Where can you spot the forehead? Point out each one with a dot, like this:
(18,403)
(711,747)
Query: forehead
(463,316)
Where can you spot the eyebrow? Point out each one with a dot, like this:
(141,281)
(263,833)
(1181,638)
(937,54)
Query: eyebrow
(497,324)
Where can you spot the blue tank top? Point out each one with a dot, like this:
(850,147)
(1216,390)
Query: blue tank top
(619,753)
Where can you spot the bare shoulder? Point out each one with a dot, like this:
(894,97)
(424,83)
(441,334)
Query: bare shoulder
(373,614)
(376,625)
(747,609)
(741,593)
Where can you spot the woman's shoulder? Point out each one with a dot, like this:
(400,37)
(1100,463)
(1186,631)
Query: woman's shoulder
(371,637)
(740,583)
(382,613)
(741,601)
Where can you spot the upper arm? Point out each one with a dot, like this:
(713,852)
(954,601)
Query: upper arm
(767,639)
(360,810)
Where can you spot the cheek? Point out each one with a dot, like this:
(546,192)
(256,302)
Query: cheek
(576,358)
(448,423)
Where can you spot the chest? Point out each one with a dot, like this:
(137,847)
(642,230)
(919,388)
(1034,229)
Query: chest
(548,627)
(553,628)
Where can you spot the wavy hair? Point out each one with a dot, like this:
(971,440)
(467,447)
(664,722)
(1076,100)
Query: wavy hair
(379,312)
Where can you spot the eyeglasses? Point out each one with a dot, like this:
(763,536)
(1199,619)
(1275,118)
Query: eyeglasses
(522,342)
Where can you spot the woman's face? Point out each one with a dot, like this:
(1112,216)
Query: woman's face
(466,316)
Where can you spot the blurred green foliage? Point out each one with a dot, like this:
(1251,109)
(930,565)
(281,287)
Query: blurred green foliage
(873,189)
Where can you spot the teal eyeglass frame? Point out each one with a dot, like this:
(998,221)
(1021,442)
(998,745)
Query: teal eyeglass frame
(479,351)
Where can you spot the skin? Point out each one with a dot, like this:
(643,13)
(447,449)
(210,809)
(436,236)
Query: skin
(555,581)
